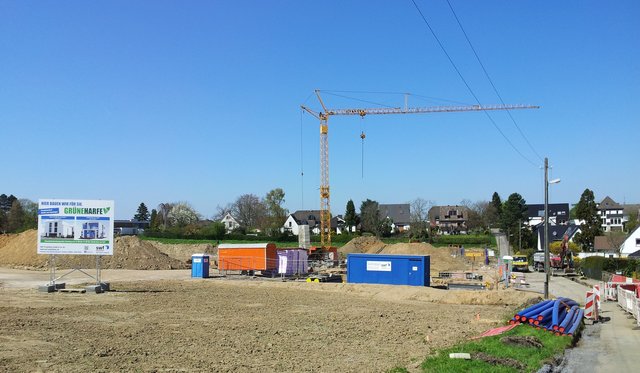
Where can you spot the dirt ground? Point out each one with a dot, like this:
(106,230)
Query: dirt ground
(20,251)
(239,325)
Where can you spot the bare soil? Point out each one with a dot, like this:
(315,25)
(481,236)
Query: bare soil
(231,325)
(20,251)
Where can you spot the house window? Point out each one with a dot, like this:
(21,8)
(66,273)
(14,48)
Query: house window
(637,241)
(289,224)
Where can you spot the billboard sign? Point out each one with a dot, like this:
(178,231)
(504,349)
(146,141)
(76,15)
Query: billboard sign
(79,227)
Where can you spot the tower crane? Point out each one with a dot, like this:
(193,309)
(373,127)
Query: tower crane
(323,117)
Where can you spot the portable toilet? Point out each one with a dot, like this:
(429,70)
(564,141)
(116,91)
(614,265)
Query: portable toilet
(200,265)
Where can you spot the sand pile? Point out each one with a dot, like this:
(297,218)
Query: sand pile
(19,250)
(183,252)
(370,245)
(440,258)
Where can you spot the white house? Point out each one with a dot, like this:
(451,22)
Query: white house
(631,244)
(230,223)
(556,233)
(312,219)
(612,215)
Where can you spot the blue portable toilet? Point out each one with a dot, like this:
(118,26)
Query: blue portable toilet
(200,265)
(388,269)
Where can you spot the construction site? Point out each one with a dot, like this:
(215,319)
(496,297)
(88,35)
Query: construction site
(155,316)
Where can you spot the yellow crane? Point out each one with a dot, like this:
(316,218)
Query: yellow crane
(323,116)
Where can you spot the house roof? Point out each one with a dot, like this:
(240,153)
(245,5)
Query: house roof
(555,209)
(602,243)
(399,213)
(609,204)
(635,254)
(557,232)
(312,218)
(440,213)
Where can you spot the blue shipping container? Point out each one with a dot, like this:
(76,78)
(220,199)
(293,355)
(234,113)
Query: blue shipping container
(200,265)
(388,269)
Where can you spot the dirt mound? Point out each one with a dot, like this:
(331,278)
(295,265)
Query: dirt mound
(440,258)
(183,252)
(19,250)
(370,245)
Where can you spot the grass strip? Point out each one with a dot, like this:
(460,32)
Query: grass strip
(531,358)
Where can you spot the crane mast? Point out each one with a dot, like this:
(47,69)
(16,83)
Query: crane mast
(323,117)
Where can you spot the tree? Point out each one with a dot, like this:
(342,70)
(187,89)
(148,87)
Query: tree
(587,211)
(221,212)
(276,214)
(420,218)
(513,216)
(163,214)
(350,217)
(616,239)
(16,217)
(154,220)
(3,221)
(143,213)
(6,202)
(249,211)
(494,210)
(181,215)
(477,218)
(370,217)
(632,224)
(30,216)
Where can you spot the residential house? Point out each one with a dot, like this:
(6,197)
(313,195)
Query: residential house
(603,245)
(556,233)
(400,215)
(230,223)
(558,213)
(632,244)
(611,214)
(449,219)
(312,219)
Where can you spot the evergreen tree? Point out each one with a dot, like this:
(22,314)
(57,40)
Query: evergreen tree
(142,213)
(3,221)
(7,202)
(16,217)
(370,217)
(494,210)
(350,218)
(514,214)
(587,211)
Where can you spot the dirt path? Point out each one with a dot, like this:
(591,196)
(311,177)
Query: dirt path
(236,325)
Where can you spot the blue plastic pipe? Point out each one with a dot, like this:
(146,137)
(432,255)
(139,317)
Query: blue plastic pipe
(577,322)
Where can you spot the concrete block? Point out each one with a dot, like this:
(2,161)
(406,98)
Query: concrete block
(46,288)
(94,289)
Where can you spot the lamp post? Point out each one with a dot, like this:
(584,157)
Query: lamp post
(547,264)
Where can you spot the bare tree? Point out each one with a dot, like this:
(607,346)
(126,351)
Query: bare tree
(420,217)
(163,212)
(222,211)
(615,240)
(479,214)
(249,211)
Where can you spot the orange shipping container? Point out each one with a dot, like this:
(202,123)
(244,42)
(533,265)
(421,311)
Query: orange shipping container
(247,257)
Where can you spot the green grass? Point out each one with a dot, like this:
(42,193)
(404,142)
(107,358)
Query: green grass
(188,242)
(533,358)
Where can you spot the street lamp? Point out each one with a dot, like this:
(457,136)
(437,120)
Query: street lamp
(547,265)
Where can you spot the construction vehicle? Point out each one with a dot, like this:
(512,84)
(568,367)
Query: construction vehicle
(520,263)
(323,117)
(559,263)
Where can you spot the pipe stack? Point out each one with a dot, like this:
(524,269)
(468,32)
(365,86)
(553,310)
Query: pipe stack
(561,316)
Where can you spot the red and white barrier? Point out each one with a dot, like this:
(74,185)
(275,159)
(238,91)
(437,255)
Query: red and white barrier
(591,306)
(596,294)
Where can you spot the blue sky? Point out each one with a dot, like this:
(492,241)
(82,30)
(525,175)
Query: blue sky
(199,101)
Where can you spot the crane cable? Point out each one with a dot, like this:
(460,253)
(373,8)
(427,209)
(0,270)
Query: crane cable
(455,67)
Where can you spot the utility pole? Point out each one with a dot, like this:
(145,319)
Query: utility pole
(520,236)
(546,228)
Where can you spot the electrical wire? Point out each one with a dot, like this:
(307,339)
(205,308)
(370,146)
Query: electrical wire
(467,85)
(455,15)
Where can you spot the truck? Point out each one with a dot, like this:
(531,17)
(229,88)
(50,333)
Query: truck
(556,262)
(520,263)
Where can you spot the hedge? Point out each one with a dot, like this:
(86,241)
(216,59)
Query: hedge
(593,266)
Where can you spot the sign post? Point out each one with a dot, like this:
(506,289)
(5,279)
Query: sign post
(75,227)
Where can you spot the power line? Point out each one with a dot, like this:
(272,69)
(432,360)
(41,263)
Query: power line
(490,80)
(467,84)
